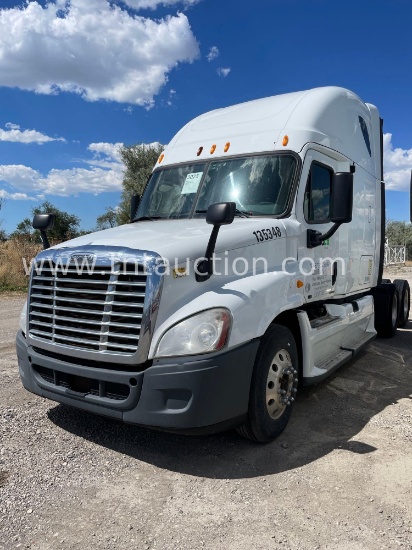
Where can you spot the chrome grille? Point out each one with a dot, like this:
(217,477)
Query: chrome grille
(97,309)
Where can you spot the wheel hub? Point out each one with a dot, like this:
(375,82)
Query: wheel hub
(281,386)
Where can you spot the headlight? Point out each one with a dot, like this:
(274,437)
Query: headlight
(22,322)
(202,333)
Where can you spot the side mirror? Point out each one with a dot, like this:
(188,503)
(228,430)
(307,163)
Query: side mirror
(341,206)
(221,213)
(342,198)
(134,205)
(44,222)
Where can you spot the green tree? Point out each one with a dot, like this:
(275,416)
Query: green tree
(139,161)
(66,226)
(108,219)
(400,234)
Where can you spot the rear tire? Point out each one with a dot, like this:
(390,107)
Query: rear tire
(386,310)
(404,301)
(273,387)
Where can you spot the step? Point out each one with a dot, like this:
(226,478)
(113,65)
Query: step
(335,360)
(356,345)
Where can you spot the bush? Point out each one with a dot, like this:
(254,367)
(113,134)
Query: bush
(15,258)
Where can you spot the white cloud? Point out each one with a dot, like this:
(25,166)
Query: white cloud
(397,165)
(20,177)
(223,71)
(153,4)
(92,48)
(109,150)
(16,135)
(63,183)
(213,53)
(105,173)
(172,96)
(95,180)
(15,196)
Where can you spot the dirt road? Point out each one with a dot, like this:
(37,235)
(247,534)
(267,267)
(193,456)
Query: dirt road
(340,477)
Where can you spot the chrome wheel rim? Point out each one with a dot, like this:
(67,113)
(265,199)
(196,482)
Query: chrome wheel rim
(281,384)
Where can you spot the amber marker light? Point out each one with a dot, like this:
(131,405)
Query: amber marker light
(299,284)
(285,141)
(161,158)
(199,151)
(227,147)
(212,149)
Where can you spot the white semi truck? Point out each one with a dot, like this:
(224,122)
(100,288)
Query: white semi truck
(252,264)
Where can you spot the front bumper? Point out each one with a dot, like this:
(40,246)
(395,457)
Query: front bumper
(191,394)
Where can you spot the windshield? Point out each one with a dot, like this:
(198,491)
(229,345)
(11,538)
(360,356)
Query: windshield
(259,185)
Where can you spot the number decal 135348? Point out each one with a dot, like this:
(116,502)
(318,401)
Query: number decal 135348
(267,234)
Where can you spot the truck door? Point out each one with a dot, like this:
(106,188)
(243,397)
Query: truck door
(318,266)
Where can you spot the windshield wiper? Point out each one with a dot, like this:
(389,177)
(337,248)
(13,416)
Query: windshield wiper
(243,214)
(147,218)
(240,213)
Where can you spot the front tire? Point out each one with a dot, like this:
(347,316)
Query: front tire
(273,387)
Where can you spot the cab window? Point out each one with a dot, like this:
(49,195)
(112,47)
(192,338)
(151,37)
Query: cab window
(365,134)
(317,194)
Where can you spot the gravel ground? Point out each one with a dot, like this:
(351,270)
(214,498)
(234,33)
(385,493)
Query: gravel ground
(340,477)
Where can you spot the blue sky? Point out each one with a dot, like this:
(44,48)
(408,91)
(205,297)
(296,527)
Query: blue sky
(79,77)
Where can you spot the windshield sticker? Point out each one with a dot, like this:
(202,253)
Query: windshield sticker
(191,183)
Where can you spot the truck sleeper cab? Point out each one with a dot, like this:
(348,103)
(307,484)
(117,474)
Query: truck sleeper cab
(177,324)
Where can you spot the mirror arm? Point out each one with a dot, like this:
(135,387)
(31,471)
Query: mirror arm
(205,267)
(316,238)
(44,239)
(218,214)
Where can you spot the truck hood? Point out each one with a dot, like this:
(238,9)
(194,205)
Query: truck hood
(176,239)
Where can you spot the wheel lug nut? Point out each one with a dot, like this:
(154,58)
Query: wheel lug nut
(294,390)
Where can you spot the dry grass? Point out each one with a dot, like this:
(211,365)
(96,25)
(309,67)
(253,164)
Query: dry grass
(14,256)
